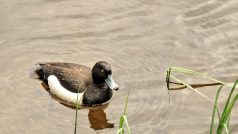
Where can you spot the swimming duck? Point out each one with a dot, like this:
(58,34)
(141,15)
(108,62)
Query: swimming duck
(71,83)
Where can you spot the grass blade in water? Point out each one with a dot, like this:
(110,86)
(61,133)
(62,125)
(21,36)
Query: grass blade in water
(123,119)
(214,110)
(224,122)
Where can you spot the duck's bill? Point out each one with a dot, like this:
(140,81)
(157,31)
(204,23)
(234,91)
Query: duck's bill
(111,84)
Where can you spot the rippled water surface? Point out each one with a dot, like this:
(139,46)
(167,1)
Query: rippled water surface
(138,38)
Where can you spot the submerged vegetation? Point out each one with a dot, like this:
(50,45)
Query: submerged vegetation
(224,118)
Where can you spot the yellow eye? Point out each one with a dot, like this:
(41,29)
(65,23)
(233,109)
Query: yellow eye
(102,70)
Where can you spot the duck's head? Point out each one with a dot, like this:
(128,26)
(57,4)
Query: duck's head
(102,73)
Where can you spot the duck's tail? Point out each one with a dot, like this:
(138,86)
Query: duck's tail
(36,73)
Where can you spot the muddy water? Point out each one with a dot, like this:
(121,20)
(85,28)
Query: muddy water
(138,38)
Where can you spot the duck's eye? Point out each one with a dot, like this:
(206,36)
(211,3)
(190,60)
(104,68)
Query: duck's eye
(102,70)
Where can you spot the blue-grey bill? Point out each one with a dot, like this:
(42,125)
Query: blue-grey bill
(111,84)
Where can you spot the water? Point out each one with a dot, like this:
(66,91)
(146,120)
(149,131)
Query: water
(138,38)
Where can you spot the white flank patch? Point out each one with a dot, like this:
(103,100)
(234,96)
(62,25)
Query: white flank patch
(61,92)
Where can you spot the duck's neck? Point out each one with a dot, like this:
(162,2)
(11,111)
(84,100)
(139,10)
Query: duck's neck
(98,81)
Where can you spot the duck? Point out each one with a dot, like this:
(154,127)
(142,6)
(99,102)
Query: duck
(72,84)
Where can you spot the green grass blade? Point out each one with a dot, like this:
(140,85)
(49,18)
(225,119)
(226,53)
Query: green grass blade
(126,122)
(120,131)
(198,74)
(226,129)
(227,110)
(191,88)
(227,104)
(187,71)
(214,110)
(77,108)
(219,117)
(228,121)
(121,122)
(125,109)
(123,118)
(232,90)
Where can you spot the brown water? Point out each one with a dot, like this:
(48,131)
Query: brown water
(138,38)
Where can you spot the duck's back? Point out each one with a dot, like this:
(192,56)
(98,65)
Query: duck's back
(73,77)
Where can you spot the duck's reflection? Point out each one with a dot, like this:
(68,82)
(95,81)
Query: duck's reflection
(96,117)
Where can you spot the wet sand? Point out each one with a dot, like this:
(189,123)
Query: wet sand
(138,38)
